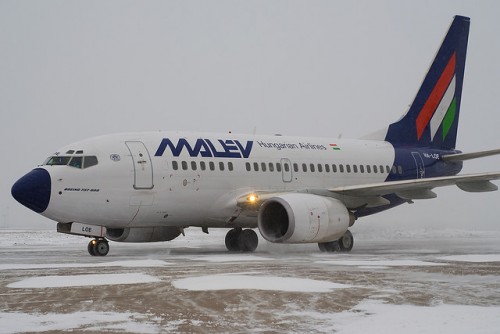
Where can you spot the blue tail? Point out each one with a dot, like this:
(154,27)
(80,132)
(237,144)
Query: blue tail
(432,120)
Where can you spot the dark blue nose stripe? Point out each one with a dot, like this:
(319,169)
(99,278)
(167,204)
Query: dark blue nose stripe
(33,190)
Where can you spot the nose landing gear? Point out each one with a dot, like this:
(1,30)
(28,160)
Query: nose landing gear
(98,247)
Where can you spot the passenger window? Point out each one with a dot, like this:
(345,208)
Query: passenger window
(193,165)
(221,166)
(387,169)
(375,169)
(368,169)
(211,165)
(312,167)
(341,168)
(263,165)
(393,170)
(382,169)
(286,166)
(348,168)
(304,167)
(76,162)
(355,167)
(175,165)
(203,166)
(327,168)
(320,168)
(230,166)
(278,167)
(295,167)
(334,168)
(361,168)
(184,165)
(89,161)
(248,166)
(400,170)
(271,167)
(256,166)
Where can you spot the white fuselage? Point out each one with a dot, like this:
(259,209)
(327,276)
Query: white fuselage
(138,182)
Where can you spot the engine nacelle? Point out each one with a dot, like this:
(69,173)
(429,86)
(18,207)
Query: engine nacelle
(303,218)
(143,234)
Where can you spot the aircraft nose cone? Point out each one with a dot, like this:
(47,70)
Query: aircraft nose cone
(33,190)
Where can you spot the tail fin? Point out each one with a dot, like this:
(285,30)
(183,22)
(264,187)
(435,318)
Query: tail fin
(432,120)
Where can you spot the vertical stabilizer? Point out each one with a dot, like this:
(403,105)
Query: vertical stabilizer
(432,120)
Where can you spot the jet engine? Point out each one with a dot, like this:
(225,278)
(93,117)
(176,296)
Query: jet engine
(303,218)
(143,234)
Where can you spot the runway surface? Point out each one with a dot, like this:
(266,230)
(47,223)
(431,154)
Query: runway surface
(412,282)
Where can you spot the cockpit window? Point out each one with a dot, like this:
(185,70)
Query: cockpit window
(90,161)
(57,161)
(76,162)
(73,161)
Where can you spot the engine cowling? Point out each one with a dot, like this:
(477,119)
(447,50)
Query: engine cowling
(303,218)
(143,234)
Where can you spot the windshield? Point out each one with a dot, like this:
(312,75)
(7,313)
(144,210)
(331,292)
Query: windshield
(72,161)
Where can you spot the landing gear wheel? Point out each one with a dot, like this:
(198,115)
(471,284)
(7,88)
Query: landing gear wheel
(98,247)
(343,245)
(238,240)
(232,238)
(101,247)
(328,247)
(248,240)
(346,242)
(90,248)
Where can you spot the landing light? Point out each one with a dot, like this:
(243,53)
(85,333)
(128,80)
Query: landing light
(252,199)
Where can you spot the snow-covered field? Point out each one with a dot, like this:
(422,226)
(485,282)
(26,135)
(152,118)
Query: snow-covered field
(410,281)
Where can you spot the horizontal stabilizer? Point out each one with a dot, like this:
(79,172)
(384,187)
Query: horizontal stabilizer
(469,156)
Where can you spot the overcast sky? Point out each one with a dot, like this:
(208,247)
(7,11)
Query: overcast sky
(75,69)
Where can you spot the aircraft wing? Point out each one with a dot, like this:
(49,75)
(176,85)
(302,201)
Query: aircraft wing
(371,195)
(421,188)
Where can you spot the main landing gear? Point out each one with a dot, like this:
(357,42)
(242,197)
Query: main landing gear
(98,247)
(344,244)
(238,240)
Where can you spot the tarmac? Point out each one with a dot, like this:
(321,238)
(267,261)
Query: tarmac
(49,283)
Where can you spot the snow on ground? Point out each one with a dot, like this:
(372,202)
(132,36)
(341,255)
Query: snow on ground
(472,258)
(126,264)
(380,263)
(369,316)
(230,258)
(89,321)
(372,316)
(83,280)
(250,282)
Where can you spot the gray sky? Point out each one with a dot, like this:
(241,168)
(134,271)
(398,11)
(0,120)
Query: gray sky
(71,70)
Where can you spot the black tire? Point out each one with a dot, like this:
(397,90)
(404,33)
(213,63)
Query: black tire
(346,242)
(90,248)
(248,240)
(101,248)
(328,247)
(232,240)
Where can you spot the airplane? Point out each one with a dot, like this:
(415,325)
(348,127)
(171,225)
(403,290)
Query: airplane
(149,187)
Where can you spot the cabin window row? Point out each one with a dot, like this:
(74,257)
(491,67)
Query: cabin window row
(279,167)
(202,165)
(340,168)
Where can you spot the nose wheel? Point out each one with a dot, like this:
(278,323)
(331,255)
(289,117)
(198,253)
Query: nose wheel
(98,247)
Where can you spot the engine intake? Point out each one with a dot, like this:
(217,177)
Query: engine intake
(303,218)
